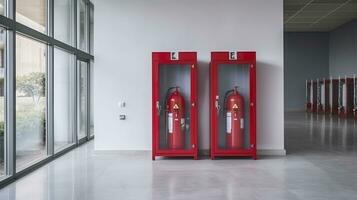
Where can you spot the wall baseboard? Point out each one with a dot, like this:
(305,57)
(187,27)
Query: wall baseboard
(203,152)
(272,152)
(261,152)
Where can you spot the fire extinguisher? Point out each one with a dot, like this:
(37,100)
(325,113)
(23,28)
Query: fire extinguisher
(234,109)
(175,116)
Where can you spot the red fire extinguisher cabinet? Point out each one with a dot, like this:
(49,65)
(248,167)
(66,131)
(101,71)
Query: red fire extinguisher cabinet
(334,96)
(323,96)
(345,97)
(233,104)
(174,104)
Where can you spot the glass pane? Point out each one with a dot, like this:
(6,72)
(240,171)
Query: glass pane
(63,98)
(32,13)
(83,26)
(233,119)
(83,99)
(2,7)
(31,81)
(63,20)
(91,25)
(175,95)
(91,87)
(2,100)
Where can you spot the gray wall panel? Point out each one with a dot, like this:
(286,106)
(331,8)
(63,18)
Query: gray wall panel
(306,56)
(343,50)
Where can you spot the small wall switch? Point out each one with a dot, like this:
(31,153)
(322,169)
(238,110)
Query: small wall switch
(122,117)
(121,104)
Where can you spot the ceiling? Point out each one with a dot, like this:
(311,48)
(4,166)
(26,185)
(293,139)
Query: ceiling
(317,15)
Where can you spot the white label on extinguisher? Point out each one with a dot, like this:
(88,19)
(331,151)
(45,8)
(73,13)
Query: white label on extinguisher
(241,123)
(170,122)
(229,123)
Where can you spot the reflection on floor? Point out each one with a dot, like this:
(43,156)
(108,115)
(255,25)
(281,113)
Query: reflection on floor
(26,158)
(309,133)
(321,164)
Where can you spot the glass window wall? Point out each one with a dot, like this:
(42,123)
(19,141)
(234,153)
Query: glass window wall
(83,100)
(31,81)
(91,100)
(46,99)
(83,25)
(2,101)
(63,99)
(91,25)
(32,13)
(63,20)
(2,7)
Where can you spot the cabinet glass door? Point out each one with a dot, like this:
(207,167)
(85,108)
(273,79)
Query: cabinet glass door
(233,100)
(82,93)
(174,102)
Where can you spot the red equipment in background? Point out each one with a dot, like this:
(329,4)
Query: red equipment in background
(174,131)
(326,98)
(345,97)
(233,132)
(323,97)
(308,104)
(312,102)
(234,109)
(314,96)
(334,96)
(175,115)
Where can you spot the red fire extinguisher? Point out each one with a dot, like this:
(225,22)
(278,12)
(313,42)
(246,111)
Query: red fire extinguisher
(234,108)
(175,116)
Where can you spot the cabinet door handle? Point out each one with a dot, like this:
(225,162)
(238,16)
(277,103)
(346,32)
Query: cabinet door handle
(158,108)
(218,107)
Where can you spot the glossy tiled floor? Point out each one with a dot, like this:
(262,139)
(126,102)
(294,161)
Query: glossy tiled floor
(321,164)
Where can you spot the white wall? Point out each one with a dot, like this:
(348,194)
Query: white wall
(127,31)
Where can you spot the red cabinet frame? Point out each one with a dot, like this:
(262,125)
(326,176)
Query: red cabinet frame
(346,98)
(232,58)
(168,59)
